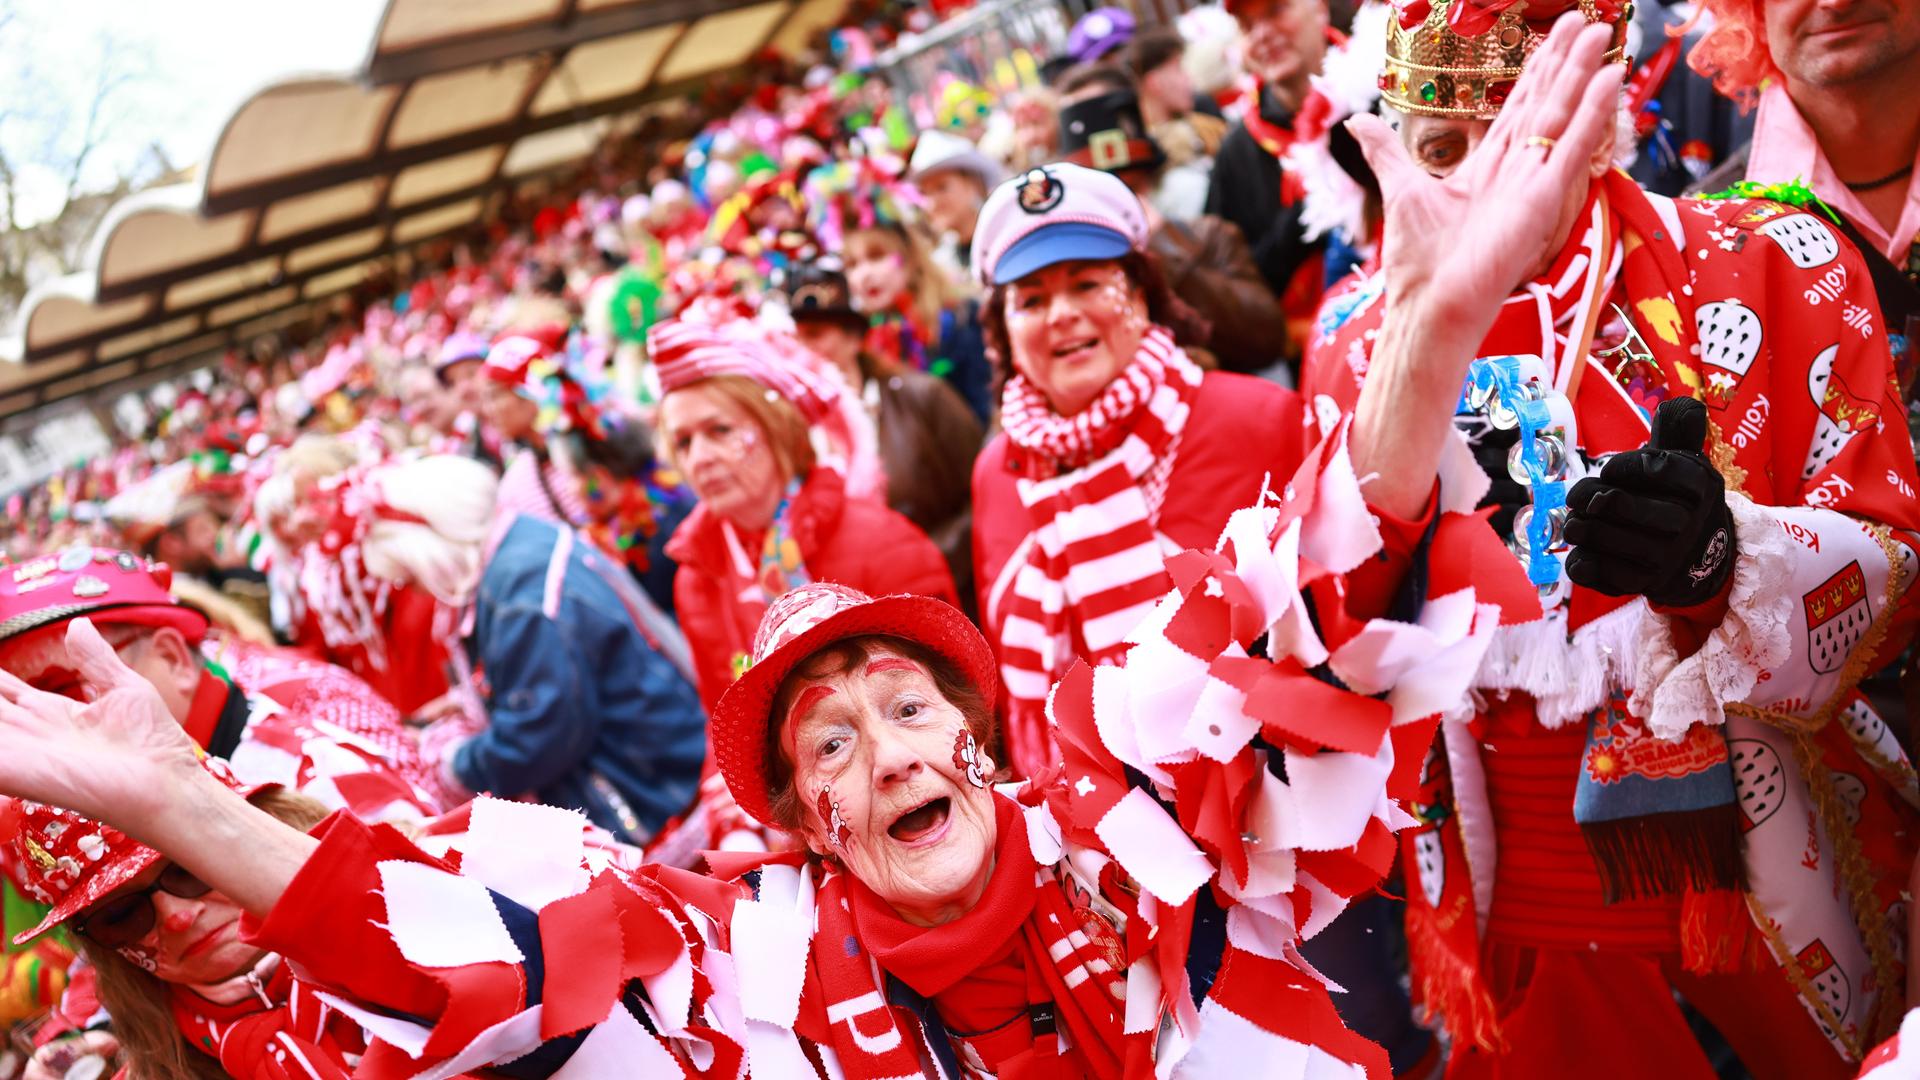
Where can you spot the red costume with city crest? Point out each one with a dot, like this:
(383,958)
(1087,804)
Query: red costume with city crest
(1731,791)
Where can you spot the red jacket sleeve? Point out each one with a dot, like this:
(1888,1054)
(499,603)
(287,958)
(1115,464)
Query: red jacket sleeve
(332,922)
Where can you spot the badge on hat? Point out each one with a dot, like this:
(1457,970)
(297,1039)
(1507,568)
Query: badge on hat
(75,558)
(1041,191)
(87,587)
(38,568)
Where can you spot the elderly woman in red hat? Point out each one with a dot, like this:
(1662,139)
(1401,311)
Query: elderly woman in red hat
(741,411)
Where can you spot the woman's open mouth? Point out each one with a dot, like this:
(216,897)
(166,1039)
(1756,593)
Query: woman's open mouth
(922,823)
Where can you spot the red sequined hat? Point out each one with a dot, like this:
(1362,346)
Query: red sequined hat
(71,862)
(801,623)
(105,585)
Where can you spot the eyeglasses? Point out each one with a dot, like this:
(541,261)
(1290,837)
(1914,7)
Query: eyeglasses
(126,919)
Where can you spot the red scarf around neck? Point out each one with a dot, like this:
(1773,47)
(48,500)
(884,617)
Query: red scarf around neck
(971,968)
(279,1031)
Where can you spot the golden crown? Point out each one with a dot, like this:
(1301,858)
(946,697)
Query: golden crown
(1434,71)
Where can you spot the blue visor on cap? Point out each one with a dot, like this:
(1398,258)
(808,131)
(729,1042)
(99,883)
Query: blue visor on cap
(1063,241)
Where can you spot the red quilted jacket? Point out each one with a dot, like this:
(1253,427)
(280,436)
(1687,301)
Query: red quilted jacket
(852,542)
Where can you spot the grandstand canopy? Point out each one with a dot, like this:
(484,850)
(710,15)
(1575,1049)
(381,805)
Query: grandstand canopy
(316,178)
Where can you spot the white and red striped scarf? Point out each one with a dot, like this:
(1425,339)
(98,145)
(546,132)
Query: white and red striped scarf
(1094,567)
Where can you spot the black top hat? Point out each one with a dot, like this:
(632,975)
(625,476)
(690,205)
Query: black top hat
(818,290)
(1106,133)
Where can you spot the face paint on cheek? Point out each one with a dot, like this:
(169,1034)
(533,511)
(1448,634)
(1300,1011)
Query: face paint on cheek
(143,957)
(1116,296)
(968,759)
(838,835)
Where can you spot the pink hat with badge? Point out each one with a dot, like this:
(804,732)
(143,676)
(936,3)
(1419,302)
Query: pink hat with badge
(1053,214)
(105,585)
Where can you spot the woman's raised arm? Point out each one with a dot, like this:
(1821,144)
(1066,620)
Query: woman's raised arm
(122,759)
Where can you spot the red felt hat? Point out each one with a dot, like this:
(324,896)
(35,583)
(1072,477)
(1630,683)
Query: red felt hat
(801,623)
(71,862)
(105,585)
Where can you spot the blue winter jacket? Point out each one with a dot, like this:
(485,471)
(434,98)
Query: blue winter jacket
(586,709)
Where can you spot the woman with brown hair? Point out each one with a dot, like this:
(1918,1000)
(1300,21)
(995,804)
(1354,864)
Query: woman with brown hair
(927,436)
(189,999)
(918,316)
(738,412)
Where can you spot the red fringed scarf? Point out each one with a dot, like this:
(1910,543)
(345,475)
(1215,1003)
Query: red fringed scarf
(1092,484)
(993,967)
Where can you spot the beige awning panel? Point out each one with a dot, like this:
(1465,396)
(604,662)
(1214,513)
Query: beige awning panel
(316,178)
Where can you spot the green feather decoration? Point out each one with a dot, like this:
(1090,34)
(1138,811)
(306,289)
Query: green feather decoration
(1793,193)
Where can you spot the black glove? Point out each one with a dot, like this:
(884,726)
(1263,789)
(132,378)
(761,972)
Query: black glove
(1655,521)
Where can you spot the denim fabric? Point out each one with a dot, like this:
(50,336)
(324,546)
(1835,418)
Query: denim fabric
(584,710)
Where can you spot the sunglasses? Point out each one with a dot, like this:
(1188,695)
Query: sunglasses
(129,917)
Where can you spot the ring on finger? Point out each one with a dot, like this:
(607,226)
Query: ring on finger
(1544,142)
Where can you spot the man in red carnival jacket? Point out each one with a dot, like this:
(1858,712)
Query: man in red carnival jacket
(1737,567)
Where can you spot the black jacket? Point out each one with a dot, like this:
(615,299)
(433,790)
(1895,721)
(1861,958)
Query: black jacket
(1246,191)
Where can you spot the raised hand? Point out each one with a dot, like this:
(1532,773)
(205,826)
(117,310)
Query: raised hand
(112,758)
(1489,226)
(1454,249)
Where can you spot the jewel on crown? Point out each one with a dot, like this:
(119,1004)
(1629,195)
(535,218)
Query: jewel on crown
(1437,65)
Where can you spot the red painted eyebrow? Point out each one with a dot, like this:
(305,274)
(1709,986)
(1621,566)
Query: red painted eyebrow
(890,663)
(806,700)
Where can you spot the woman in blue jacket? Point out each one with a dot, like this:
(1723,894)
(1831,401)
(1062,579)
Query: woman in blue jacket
(586,685)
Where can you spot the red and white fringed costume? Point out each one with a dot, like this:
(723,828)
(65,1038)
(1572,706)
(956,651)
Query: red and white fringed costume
(1274,790)
(316,729)
(1761,311)
(1269,785)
